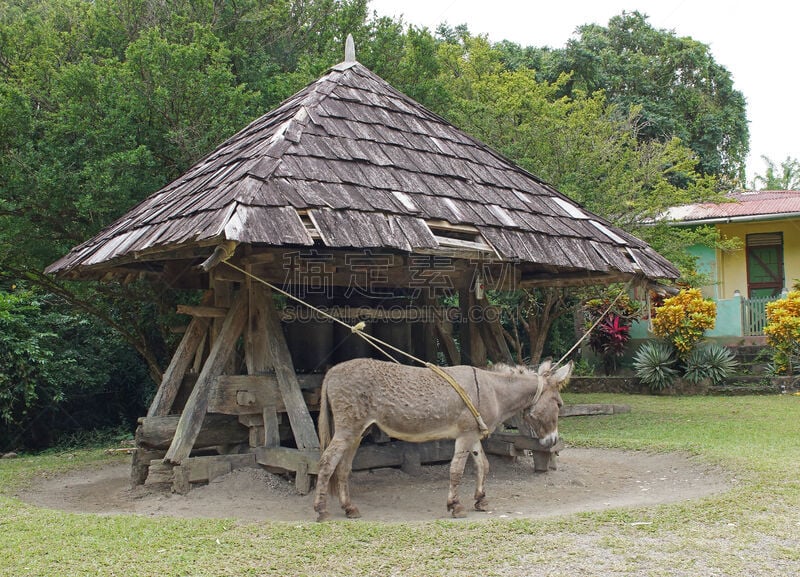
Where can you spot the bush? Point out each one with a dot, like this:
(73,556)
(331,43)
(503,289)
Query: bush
(683,319)
(61,373)
(783,332)
(713,362)
(655,365)
(610,337)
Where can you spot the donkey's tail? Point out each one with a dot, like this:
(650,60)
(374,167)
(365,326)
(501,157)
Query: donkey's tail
(325,431)
(324,422)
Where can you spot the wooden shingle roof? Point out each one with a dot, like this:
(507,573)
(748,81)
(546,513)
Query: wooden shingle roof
(351,162)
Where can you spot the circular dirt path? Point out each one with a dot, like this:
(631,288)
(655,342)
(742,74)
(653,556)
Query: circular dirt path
(586,480)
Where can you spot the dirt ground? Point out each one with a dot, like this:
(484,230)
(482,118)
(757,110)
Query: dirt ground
(586,480)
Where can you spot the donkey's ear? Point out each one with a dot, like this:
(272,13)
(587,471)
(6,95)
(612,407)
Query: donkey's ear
(563,374)
(545,367)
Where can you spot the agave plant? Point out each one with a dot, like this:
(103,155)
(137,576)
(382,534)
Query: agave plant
(713,362)
(655,365)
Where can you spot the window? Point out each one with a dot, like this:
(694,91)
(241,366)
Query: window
(764,264)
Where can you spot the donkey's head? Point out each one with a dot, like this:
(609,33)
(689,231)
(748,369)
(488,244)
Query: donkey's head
(542,415)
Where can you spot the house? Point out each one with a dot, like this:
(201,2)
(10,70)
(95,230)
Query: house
(767,223)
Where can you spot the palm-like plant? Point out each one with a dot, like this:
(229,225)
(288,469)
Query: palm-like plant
(655,365)
(713,362)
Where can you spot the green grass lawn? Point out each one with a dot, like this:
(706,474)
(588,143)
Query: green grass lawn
(753,529)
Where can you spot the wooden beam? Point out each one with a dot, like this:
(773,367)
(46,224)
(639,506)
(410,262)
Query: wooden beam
(201,311)
(492,333)
(592,409)
(158,432)
(582,278)
(173,377)
(300,419)
(444,332)
(194,412)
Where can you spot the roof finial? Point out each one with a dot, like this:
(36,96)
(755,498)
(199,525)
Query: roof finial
(349,49)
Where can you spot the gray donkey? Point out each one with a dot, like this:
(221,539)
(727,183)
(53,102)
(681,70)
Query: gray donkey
(415,404)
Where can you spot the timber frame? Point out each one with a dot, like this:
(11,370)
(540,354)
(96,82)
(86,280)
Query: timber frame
(232,396)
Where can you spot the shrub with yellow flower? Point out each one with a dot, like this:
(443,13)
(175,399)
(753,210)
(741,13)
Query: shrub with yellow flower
(783,331)
(683,319)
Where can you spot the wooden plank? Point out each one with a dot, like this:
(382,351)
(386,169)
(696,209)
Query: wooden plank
(367,457)
(499,447)
(158,432)
(287,458)
(249,394)
(593,409)
(525,442)
(300,419)
(140,464)
(243,394)
(191,420)
(206,468)
(201,311)
(272,432)
(173,376)
(257,353)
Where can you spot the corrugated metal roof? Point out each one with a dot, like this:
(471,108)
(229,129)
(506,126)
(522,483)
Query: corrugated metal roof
(360,158)
(741,204)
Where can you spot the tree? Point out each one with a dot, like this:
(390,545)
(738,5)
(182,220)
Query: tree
(681,90)
(586,147)
(785,177)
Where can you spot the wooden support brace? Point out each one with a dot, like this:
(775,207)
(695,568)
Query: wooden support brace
(300,419)
(492,333)
(173,376)
(194,412)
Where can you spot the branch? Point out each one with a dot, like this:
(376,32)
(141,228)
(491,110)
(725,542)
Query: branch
(136,340)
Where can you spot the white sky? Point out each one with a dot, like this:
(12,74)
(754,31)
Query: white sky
(757,41)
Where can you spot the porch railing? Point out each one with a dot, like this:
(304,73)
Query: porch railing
(754,315)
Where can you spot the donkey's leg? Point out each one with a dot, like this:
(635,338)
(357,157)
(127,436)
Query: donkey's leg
(327,465)
(482,469)
(456,472)
(343,471)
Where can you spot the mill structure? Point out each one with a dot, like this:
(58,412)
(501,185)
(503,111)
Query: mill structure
(359,201)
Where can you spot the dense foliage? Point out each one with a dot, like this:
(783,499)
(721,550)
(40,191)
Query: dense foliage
(608,317)
(783,332)
(103,102)
(683,319)
(681,322)
(62,373)
(682,91)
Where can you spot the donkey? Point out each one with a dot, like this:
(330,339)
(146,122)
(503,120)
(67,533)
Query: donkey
(415,404)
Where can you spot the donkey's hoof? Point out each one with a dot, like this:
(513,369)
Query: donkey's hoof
(323,516)
(481,505)
(458,510)
(352,512)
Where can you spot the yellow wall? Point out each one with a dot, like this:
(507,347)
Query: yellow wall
(732,267)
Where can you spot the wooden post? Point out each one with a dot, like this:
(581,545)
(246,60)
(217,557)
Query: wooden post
(305,434)
(195,410)
(492,333)
(473,351)
(173,376)
(444,330)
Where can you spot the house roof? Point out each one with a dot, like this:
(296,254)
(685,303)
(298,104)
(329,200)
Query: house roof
(750,205)
(351,162)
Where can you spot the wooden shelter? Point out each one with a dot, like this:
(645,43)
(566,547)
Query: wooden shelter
(357,199)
